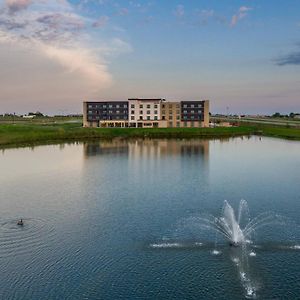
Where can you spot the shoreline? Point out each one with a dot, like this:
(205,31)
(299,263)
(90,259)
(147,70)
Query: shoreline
(24,135)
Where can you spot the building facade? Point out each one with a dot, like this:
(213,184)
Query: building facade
(146,113)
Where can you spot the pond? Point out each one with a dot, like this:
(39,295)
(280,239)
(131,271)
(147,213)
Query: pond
(112,219)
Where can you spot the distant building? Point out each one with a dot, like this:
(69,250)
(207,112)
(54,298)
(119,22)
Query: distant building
(146,113)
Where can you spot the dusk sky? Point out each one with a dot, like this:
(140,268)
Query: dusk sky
(244,55)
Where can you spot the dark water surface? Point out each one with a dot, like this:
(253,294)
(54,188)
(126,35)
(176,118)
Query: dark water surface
(102,220)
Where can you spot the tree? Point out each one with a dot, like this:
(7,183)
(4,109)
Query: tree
(276,115)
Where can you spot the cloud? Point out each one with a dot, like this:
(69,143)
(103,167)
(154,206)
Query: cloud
(242,13)
(80,60)
(289,59)
(179,12)
(123,11)
(101,22)
(51,42)
(16,5)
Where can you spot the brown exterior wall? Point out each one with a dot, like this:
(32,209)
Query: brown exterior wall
(170,112)
(206,114)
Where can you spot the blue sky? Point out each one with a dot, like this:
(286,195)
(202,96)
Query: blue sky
(244,55)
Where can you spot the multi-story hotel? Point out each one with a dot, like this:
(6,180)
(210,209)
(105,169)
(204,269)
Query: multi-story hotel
(142,113)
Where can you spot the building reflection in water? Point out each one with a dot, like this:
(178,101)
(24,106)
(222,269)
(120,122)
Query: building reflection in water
(149,148)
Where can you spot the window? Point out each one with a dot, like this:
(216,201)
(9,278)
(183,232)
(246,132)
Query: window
(132,117)
(192,105)
(90,111)
(170,124)
(132,112)
(178,117)
(141,117)
(104,106)
(141,105)
(155,105)
(125,105)
(148,117)
(117,111)
(132,106)
(185,111)
(110,111)
(185,124)
(90,106)
(177,105)
(110,106)
(155,117)
(177,124)
(192,117)
(163,112)
(178,112)
(141,112)
(155,112)
(163,106)
(184,105)
(117,106)
(199,105)
(163,117)
(148,112)
(148,105)
(192,111)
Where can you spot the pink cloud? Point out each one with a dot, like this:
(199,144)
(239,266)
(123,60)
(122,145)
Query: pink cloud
(16,5)
(242,13)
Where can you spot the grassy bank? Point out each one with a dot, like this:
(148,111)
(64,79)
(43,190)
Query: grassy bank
(30,134)
(280,132)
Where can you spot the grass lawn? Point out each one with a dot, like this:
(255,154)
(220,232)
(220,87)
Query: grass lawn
(29,134)
(32,133)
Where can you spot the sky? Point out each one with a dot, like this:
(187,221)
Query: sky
(244,56)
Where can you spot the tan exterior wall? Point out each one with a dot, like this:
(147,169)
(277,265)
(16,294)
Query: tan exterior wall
(85,122)
(171,113)
(206,114)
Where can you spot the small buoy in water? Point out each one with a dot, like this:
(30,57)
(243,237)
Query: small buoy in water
(20,222)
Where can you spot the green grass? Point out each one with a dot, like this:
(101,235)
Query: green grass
(280,132)
(33,134)
(30,134)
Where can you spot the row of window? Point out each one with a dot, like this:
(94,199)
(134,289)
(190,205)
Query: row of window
(193,112)
(108,118)
(142,112)
(192,105)
(147,118)
(142,106)
(170,112)
(107,106)
(108,111)
(170,117)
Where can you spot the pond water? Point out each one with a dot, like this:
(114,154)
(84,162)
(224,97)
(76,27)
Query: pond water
(106,220)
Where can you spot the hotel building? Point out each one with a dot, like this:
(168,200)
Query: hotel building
(146,113)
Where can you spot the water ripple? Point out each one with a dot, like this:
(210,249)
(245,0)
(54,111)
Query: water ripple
(17,240)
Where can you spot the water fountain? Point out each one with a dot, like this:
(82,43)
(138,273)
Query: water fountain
(238,229)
